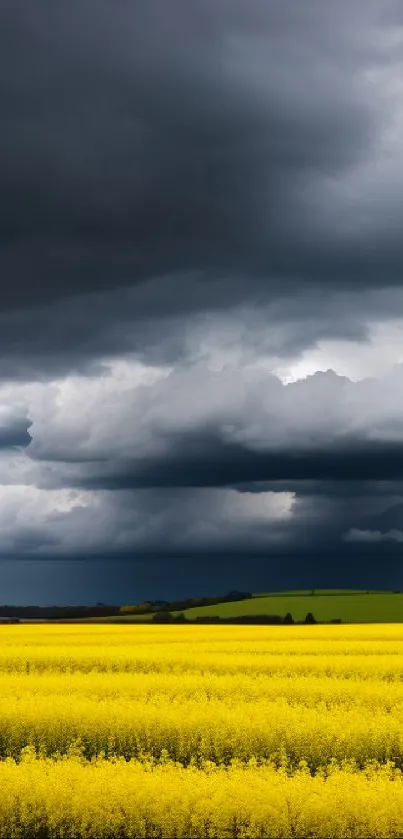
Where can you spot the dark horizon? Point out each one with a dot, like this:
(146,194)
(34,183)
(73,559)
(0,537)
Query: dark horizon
(68,586)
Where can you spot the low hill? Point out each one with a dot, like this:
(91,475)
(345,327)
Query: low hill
(329,592)
(350,606)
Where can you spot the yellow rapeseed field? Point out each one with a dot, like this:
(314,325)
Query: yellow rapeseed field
(201,731)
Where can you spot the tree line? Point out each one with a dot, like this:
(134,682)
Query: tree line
(168,617)
(148,606)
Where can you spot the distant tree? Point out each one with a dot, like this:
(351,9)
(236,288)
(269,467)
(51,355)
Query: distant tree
(288,618)
(136,608)
(162,617)
(159,604)
(181,618)
(237,595)
(313,591)
(208,619)
(310,618)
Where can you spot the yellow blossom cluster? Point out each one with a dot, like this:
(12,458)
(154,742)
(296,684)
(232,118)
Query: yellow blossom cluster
(104,799)
(171,731)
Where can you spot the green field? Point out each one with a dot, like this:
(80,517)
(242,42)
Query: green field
(352,606)
(330,592)
(381,607)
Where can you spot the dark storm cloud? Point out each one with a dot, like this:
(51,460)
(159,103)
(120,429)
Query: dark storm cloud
(168,320)
(218,485)
(197,460)
(333,489)
(146,138)
(198,427)
(14,432)
(206,185)
(389,519)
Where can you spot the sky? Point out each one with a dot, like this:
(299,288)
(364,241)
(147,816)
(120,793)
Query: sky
(201,308)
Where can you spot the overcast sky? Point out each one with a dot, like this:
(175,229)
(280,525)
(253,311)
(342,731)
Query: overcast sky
(201,309)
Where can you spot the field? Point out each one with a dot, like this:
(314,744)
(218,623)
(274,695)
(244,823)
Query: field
(349,605)
(176,731)
(327,591)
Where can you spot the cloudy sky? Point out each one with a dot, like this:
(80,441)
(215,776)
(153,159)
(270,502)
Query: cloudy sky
(201,309)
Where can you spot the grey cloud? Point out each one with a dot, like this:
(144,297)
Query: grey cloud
(159,166)
(14,432)
(210,187)
(198,461)
(187,523)
(365,536)
(196,427)
(145,523)
(156,473)
(172,320)
(149,141)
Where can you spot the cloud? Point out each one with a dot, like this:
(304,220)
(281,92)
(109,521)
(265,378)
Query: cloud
(191,425)
(173,177)
(13,429)
(201,203)
(190,461)
(201,140)
(355,535)
(49,523)
(183,322)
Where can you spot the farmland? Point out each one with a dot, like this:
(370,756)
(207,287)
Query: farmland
(349,606)
(201,731)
